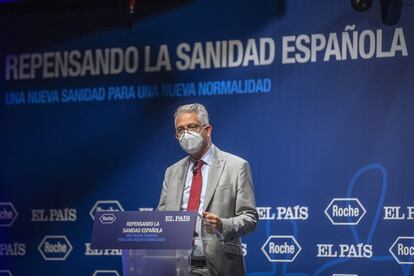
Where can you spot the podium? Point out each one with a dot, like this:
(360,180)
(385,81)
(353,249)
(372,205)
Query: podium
(140,262)
(156,243)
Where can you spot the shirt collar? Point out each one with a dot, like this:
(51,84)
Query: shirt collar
(206,157)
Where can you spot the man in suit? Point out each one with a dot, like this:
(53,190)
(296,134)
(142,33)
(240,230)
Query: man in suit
(217,185)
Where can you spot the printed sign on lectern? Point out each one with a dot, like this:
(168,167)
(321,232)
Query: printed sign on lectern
(143,230)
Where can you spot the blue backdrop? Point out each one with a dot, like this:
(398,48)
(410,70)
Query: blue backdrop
(322,110)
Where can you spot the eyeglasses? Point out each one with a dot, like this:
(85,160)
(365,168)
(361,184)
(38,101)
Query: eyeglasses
(191,127)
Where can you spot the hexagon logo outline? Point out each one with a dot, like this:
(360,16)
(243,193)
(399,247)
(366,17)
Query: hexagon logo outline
(345,199)
(6,271)
(105,272)
(95,206)
(39,247)
(392,253)
(16,214)
(281,237)
(104,221)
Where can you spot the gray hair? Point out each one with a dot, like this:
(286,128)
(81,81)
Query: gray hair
(196,108)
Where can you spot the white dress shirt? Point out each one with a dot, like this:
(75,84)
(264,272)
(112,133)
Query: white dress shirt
(198,249)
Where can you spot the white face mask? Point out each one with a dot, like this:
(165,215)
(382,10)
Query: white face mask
(191,142)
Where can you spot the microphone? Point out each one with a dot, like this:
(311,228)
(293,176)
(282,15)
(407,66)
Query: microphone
(196,165)
(194,168)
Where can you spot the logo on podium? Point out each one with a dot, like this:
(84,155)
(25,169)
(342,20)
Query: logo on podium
(107,218)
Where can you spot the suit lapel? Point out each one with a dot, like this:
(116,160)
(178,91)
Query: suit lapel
(217,166)
(181,175)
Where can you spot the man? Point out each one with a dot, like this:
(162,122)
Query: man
(217,185)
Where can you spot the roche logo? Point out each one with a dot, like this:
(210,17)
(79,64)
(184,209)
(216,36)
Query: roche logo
(105,205)
(105,273)
(281,248)
(5,273)
(55,248)
(345,211)
(107,218)
(403,250)
(8,214)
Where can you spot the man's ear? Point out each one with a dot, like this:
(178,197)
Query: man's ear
(209,129)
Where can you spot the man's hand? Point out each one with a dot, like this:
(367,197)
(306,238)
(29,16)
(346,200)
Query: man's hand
(214,220)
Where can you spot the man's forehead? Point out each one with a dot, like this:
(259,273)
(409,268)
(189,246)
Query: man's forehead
(187,118)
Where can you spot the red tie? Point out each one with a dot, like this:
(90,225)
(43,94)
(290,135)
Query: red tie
(195,191)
